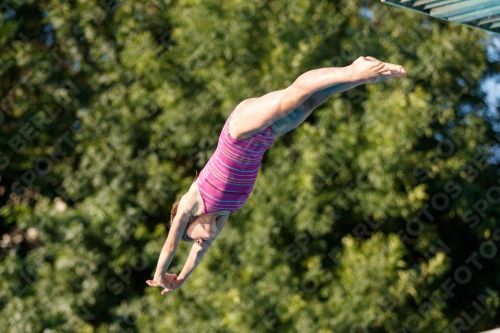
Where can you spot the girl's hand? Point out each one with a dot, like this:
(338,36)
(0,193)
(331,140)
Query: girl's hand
(176,283)
(164,281)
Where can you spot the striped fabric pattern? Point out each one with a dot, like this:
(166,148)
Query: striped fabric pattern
(229,176)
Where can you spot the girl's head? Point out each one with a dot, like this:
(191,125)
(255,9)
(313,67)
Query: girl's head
(199,228)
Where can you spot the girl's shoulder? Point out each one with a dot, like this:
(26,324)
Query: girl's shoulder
(194,201)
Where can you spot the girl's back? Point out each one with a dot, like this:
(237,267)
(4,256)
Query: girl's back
(229,176)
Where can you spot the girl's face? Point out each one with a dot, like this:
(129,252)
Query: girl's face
(202,228)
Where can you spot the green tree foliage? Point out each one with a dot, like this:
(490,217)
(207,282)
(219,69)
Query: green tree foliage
(378,214)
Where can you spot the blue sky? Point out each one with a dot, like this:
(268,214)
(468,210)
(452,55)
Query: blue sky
(491,85)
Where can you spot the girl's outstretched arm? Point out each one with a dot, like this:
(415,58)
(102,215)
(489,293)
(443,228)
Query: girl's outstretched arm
(195,255)
(172,242)
(184,214)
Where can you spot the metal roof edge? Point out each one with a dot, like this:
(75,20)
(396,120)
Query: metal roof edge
(473,23)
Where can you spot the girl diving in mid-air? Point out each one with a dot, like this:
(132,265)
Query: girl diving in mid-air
(228,178)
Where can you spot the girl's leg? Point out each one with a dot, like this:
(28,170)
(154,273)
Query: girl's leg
(253,115)
(297,116)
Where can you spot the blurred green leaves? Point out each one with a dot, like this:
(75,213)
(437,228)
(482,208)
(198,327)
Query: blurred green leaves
(344,231)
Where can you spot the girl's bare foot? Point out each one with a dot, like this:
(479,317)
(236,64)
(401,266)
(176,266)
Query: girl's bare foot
(370,70)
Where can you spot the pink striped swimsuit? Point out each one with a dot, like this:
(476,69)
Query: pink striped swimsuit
(229,176)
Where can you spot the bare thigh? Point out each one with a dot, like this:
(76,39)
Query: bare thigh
(299,114)
(253,115)
(291,120)
(304,110)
